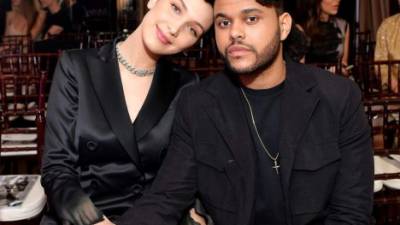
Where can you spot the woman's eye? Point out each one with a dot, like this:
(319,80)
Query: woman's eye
(175,8)
(193,31)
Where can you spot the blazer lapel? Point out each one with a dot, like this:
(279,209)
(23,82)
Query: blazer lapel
(298,103)
(162,90)
(229,116)
(106,80)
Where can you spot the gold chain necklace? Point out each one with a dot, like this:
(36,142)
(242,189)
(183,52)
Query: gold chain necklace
(131,69)
(274,159)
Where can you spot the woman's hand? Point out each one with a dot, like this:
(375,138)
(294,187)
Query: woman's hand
(106,221)
(197,218)
(79,211)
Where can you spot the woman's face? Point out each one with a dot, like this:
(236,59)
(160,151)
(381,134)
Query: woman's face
(330,7)
(45,3)
(16,2)
(172,26)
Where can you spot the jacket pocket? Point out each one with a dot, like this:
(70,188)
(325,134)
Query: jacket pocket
(312,157)
(313,177)
(215,189)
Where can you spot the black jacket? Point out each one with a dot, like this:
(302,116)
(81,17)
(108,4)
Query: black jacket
(90,142)
(325,155)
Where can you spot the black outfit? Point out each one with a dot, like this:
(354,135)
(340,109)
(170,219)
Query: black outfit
(5,6)
(327,42)
(2,22)
(78,15)
(60,18)
(92,149)
(324,144)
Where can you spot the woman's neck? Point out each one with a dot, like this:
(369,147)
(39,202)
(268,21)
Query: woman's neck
(324,17)
(135,52)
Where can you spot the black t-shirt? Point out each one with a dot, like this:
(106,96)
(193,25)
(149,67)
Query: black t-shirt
(60,18)
(266,107)
(325,43)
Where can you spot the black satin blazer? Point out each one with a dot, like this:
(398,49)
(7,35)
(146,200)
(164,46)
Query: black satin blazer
(91,144)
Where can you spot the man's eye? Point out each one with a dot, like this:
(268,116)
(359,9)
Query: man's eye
(224,23)
(252,19)
(175,8)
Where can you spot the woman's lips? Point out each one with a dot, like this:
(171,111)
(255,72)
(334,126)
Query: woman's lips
(161,36)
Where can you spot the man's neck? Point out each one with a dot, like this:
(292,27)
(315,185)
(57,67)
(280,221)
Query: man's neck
(272,76)
(54,8)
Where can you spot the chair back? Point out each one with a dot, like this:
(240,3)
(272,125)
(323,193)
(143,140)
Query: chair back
(22,114)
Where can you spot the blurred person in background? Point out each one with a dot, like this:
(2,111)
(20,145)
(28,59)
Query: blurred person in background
(330,35)
(24,18)
(57,18)
(77,14)
(4,7)
(388,48)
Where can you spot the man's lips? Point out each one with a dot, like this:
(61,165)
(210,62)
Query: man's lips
(236,50)
(161,36)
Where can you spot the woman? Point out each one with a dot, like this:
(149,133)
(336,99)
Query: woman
(17,20)
(23,18)
(110,113)
(330,35)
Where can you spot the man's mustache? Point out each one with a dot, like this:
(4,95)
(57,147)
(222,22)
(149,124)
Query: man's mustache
(248,46)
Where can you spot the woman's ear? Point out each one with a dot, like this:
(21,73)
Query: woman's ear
(285,23)
(151,3)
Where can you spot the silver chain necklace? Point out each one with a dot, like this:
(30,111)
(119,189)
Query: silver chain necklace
(274,159)
(131,69)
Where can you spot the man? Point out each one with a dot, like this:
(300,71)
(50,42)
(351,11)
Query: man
(267,141)
(388,48)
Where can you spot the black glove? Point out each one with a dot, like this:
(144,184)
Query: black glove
(78,210)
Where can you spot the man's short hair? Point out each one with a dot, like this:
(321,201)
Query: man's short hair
(277,4)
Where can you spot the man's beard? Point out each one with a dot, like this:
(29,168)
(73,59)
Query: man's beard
(263,60)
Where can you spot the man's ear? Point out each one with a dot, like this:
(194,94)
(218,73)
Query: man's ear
(151,3)
(285,23)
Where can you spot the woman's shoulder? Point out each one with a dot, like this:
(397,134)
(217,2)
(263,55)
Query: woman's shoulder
(180,73)
(341,23)
(79,54)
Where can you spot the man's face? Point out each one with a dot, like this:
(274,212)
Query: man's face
(248,34)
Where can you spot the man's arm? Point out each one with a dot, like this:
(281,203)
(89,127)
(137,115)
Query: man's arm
(175,185)
(352,199)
